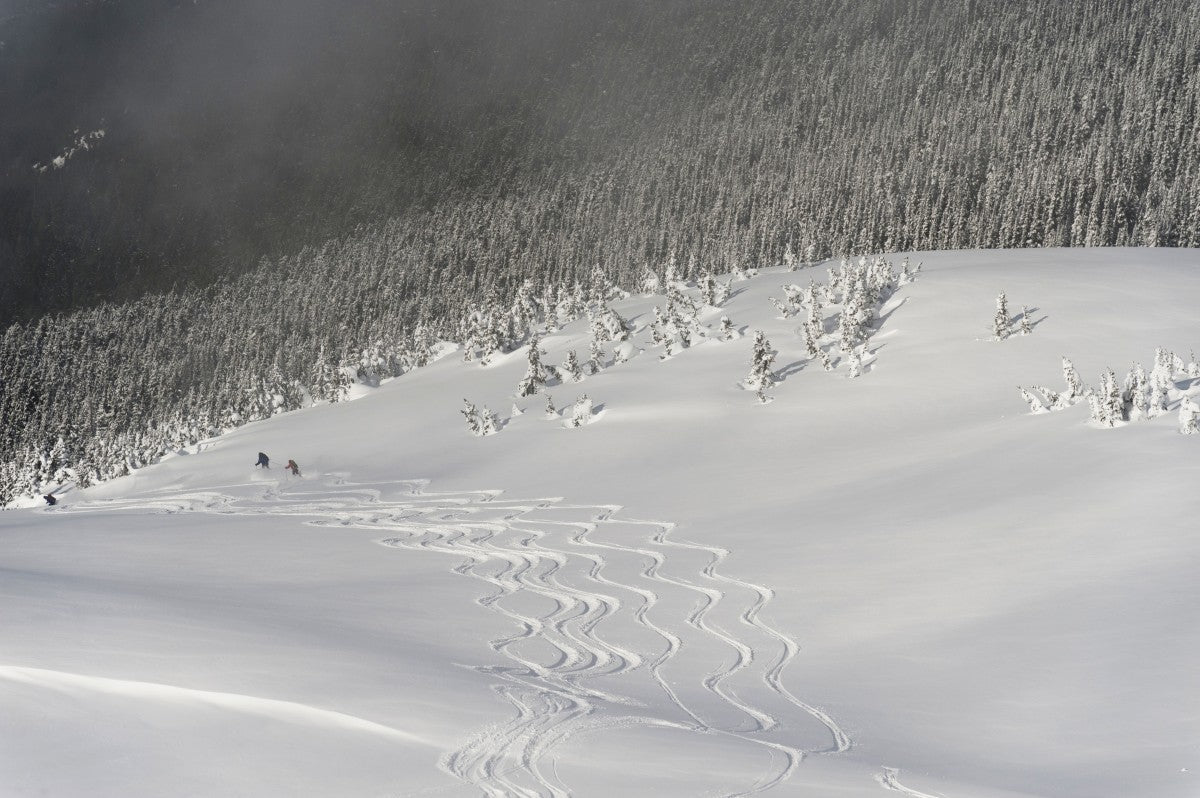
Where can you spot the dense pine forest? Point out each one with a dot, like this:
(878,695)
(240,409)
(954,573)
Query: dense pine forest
(508,161)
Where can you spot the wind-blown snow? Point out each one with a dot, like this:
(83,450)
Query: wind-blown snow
(900,582)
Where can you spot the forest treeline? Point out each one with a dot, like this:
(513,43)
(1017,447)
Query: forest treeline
(718,134)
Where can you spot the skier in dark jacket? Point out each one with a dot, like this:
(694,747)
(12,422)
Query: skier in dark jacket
(50,500)
(263,460)
(291,466)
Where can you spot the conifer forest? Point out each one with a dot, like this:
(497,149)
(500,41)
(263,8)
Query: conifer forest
(474,172)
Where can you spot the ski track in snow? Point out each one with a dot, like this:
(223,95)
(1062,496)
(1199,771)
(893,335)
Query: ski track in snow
(890,781)
(611,614)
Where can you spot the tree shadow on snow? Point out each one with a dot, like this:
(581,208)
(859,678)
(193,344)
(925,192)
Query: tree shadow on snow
(883,317)
(791,368)
(1032,324)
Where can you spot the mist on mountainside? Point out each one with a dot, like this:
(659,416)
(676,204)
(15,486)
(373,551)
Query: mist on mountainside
(237,129)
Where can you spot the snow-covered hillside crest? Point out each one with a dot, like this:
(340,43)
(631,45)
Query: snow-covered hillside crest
(901,580)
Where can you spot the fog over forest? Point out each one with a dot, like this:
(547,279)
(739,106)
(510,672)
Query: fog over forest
(234,130)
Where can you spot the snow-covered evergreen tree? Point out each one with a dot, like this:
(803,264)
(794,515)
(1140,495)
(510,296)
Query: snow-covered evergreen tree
(600,286)
(908,273)
(1026,324)
(658,327)
(1035,404)
(608,325)
(680,303)
(1099,409)
(815,320)
(372,367)
(471,414)
(1160,383)
(550,299)
(1105,401)
(489,423)
(727,331)
(595,360)
(571,304)
(670,272)
(422,346)
(1075,390)
(650,284)
(1136,394)
(850,327)
(722,292)
(1188,413)
(1001,321)
(473,333)
(571,369)
(551,410)
(762,356)
(674,327)
(1111,396)
(581,412)
(854,362)
(708,289)
(1054,399)
(741,271)
(535,372)
(329,383)
(789,258)
(480,422)
(525,312)
(811,348)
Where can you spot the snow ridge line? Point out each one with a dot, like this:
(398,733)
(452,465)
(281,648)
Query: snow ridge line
(564,661)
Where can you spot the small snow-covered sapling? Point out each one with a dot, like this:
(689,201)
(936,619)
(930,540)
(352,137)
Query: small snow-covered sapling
(1035,404)
(581,412)
(489,423)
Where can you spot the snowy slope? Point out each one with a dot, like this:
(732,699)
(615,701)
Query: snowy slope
(902,582)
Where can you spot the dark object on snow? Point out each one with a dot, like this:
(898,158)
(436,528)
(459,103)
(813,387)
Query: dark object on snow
(263,460)
(50,500)
(291,466)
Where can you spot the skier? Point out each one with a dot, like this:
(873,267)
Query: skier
(291,466)
(50,500)
(263,461)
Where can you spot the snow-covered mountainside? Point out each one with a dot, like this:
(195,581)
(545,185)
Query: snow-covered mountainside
(902,581)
